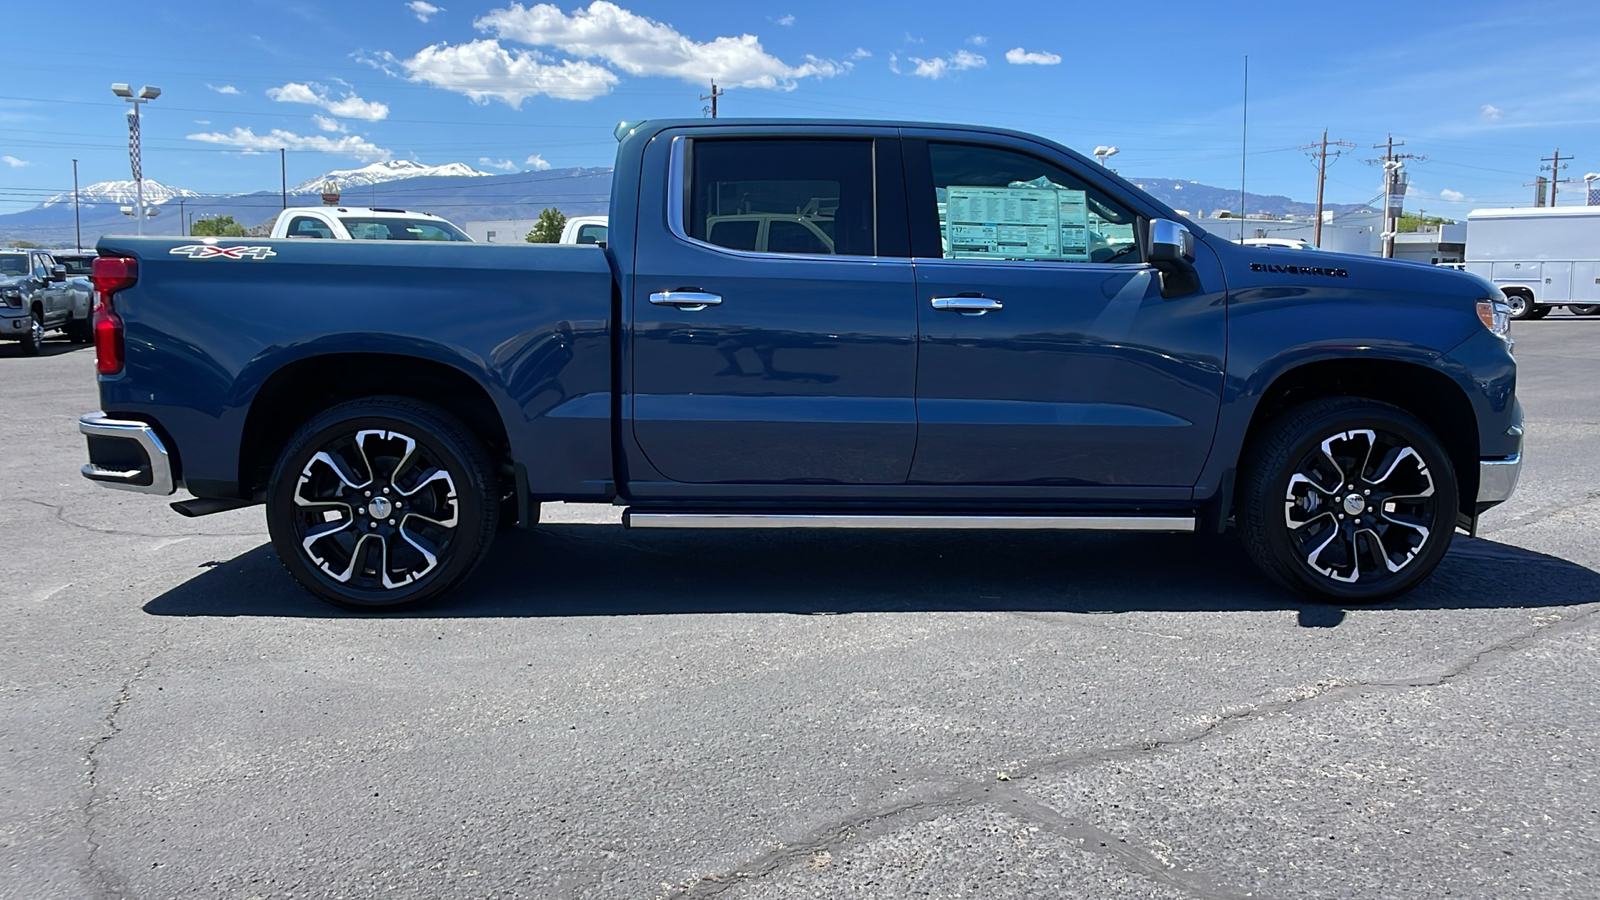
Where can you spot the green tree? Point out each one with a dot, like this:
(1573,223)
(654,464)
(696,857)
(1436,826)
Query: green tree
(1411,222)
(549,227)
(218,226)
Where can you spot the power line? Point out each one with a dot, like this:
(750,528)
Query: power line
(1321,156)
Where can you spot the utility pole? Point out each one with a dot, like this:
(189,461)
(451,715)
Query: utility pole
(713,96)
(1393,188)
(1321,156)
(283,172)
(77,222)
(180,215)
(1555,168)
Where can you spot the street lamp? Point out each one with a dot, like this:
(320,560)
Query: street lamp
(145,95)
(1104,153)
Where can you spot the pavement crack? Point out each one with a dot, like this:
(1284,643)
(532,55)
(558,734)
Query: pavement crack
(61,516)
(962,793)
(108,883)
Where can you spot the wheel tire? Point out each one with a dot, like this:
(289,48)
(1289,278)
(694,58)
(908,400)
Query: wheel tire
(1592,309)
(33,338)
(390,448)
(1520,305)
(77,331)
(1293,526)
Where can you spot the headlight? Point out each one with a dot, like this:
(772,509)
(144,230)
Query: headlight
(11,297)
(1495,316)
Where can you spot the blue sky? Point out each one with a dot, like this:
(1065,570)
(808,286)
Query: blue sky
(1483,89)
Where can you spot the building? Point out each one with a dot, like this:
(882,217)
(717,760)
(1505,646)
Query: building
(500,231)
(1358,231)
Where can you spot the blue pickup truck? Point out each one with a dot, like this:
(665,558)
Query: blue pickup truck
(808,324)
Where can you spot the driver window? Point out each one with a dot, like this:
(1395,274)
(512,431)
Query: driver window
(1003,205)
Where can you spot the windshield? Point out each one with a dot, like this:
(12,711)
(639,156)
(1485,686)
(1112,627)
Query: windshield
(13,264)
(77,265)
(397,229)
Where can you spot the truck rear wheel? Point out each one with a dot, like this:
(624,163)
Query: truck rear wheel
(1590,309)
(381,503)
(1347,500)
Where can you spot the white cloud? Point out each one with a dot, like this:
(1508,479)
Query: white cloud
(483,70)
(939,67)
(536,163)
(248,141)
(978,40)
(1452,196)
(785,20)
(327,124)
(202,121)
(382,60)
(1019,57)
(1489,112)
(860,53)
(423,9)
(14,163)
(641,46)
(504,165)
(349,106)
(225,89)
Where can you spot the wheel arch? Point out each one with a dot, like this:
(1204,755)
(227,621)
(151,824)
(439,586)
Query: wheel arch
(301,389)
(1433,397)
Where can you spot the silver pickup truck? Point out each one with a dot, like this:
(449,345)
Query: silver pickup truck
(40,293)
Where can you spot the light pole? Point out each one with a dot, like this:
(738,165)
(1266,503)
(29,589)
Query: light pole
(77,222)
(1104,153)
(145,95)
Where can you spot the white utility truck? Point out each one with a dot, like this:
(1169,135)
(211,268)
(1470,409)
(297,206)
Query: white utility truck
(1540,257)
(361,223)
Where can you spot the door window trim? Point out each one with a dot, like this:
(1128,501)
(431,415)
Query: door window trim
(680,169)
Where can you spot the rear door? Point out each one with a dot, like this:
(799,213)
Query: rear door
(1048,354)
(763,355)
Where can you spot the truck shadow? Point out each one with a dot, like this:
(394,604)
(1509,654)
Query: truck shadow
(604,570)
(52,346)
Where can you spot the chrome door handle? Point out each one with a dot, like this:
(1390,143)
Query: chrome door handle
(967,306)
(688,301)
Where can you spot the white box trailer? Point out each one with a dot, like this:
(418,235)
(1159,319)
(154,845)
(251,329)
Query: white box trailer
(1541,257)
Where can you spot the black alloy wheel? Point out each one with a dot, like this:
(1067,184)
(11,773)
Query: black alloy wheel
(1348,500)
(381,503)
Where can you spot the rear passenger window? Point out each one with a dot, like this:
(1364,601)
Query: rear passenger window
(307,227)
(783,196)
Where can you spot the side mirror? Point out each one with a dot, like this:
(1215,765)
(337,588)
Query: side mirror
(58,273)
(1170,242)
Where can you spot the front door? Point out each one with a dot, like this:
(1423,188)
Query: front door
(773,334)
(1048,354)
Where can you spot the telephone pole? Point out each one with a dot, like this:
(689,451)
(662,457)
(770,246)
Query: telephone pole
(713,96)
(1555,169)
(1394,186)
(1321,156)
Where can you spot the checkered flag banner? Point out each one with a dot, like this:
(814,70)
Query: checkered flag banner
(133,146)
(1594,195)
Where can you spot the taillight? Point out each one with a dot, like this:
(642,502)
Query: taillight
(111,274)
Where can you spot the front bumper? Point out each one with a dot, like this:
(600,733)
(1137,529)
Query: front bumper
(1497,479)
(127,455)
(14,323)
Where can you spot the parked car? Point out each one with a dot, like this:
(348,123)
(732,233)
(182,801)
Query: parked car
(37,297)
(392,406)
(585,230)
(357,223)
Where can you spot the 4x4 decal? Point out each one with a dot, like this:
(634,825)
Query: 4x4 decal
(207,251)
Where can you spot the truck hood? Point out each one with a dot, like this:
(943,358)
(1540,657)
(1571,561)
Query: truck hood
(1255,266)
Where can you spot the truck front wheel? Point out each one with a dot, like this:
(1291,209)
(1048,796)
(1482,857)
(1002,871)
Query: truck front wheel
(381,503)
(1347,500)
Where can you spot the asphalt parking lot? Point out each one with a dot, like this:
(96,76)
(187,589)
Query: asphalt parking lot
(611,714)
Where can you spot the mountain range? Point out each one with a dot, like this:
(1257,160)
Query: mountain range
(454,190)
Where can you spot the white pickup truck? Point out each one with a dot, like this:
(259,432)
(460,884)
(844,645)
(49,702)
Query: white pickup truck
(361,223)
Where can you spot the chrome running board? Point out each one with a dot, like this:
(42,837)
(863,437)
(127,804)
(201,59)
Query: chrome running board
(633,519)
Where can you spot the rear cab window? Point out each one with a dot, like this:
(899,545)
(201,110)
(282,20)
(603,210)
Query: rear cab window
(385,228)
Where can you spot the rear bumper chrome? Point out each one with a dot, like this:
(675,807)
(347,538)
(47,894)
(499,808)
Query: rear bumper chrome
(127,455)
(1497,478)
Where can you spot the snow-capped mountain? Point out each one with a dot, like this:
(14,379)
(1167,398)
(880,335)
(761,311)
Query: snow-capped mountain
(122,193)
(377,173)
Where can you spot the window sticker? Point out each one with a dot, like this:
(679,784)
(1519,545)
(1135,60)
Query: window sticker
(1022,221)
